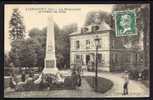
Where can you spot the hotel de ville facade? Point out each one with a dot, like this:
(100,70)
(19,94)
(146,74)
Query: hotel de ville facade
(112,55)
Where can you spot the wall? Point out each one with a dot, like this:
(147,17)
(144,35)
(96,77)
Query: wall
(104,50)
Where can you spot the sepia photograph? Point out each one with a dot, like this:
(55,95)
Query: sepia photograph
(76,50)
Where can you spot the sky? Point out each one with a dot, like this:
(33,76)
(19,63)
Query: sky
(36,16)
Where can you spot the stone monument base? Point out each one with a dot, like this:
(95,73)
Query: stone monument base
(50,71)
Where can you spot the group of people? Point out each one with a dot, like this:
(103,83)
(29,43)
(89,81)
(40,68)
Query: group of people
(76,75)
(30,81)
(23,82)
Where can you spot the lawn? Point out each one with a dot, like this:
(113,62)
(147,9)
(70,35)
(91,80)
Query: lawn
(103,84)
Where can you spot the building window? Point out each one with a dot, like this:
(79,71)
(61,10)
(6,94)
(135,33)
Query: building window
(87,59)
(115,58)
(99,46)
(139,59)
(95,28)
(84,30)
(113,43)
(99,56)
(77,44)
(128,58)
(77,56)
(79,59)
(87,44)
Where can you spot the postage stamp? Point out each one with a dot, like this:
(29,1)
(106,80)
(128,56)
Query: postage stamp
(125,23)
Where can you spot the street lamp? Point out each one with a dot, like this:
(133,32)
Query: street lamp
(97,39)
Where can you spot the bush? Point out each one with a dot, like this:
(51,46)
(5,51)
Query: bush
(133,74)
(145,74)
(7,72)
(146,83)
(68,83)
(6,81)
(103,84)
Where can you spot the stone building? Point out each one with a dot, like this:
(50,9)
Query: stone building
(112,55)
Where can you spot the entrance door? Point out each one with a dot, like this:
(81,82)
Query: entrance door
(87,59)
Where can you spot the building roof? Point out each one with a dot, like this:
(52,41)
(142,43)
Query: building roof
(102,27)
(75,33)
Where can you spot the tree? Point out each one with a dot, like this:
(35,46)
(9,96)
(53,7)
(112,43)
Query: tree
(39,37)
(23,53)
(103,16)
(67,29)
(17,33)
(143,15)
(17,28)
(31,52)
(63,44)
(6,60)
(16,52)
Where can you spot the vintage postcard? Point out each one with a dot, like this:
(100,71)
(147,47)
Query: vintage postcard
(76,50)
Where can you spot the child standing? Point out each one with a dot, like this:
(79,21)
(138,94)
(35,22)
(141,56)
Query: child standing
(126,82)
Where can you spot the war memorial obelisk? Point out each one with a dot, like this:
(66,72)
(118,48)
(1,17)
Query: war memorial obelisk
(50,58)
